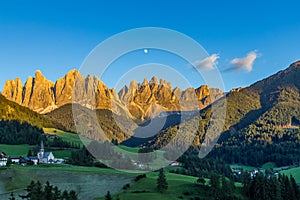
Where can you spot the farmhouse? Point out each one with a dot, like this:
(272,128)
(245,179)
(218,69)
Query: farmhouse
(3,162)
(3,159)
(15,159)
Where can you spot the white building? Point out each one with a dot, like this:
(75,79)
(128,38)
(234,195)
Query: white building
(45,157)
(15,159)
(3,162)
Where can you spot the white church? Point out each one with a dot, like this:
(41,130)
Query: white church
(45,157)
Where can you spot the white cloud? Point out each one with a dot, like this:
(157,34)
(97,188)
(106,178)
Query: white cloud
(208,62)
(245,63)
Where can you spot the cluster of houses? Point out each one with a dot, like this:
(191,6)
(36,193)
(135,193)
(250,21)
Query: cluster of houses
(238,171)
(42,157)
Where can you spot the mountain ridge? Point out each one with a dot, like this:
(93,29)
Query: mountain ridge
(141,100)
(267,106)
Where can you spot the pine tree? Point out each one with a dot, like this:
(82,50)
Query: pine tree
(215,186)
(65,195)
(162,184)
(295,187)
(246,180)
(8,163)
(12,197)
(56,193)
(48,195)
(28,189)
(108,196)
(227,188)
(274,190)
(37,192)
(73,195)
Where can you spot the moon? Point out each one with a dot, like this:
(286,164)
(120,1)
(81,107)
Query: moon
(145,50)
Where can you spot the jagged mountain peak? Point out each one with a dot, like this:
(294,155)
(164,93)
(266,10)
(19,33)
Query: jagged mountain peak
(154,80)
(42,95)
(40,77)
(145,82)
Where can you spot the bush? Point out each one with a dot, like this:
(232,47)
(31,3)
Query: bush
(139,177)
(126,186)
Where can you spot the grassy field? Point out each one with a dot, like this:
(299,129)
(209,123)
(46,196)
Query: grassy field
(72,168)
(269,165)
(66,136)
(244,167)
(179,187)
(62,153)
(146,188)
(19,150)
(129,149)
(88,182)
(295,172)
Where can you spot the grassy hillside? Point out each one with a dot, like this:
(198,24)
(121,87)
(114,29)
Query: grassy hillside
(295,172)
(10,110)
(179,187)
(106,122)
(83,180)
(273,101)
(65,136)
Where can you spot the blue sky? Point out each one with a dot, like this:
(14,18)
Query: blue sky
(56,36)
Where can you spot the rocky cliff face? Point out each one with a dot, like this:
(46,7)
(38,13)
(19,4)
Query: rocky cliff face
(13,90)
(37,93)
(141,101)
(149,98)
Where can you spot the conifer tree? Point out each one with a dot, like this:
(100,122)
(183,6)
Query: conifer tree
(162,184)
(108,196)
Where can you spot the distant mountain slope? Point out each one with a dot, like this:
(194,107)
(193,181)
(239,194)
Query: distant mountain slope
(106,122)
(12,111)
(272,102)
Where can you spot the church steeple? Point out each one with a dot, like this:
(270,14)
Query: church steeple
(41,153)
(42,145)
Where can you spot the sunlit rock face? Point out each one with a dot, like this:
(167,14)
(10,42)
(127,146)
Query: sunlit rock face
(138,100)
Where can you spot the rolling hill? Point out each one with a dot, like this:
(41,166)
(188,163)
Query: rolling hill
(106,122)
(12,111)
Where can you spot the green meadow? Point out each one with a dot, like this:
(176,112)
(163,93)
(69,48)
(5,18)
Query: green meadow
(18,150)
(295,172)
(88,182)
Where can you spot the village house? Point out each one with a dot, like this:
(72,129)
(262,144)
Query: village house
(3,162)
(41,158)
(174,164)
(15,159)
(31,160)
(3,159)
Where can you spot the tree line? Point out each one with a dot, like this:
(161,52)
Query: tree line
(36,191)
(195,166)
(14,132)
(266,187)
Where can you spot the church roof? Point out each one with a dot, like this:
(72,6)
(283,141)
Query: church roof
(32,157)
(14,157)
(47,154)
